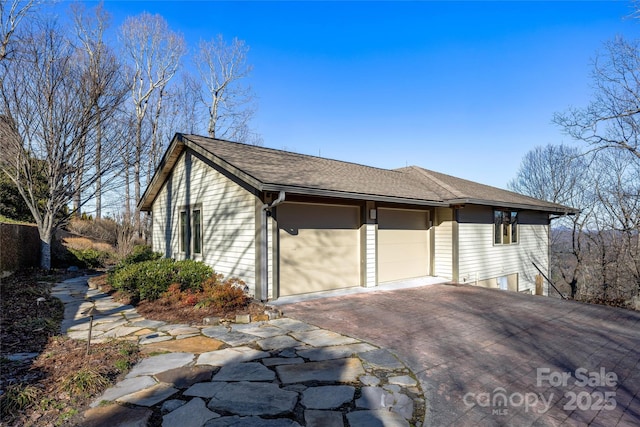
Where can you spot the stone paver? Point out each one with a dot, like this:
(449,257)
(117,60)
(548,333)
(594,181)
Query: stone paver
(317,418)
(231,337)
(248,398)
(282,372)
(322,338)
(125,387)
(463,342)
(230,355)
(163,362)
(149,396)
(335,352)
(237,421)
(250,371)
(193,414)
(116,415)
(327,397)
(379,418)
(196,344)
(281,341)
(337,370)
(186,376)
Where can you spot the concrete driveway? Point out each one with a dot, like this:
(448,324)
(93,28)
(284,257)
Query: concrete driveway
(489,357)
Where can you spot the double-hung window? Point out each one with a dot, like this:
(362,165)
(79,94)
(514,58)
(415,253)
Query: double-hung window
(191,230)
(505,227)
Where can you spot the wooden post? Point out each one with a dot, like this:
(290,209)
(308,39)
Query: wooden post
(539,285)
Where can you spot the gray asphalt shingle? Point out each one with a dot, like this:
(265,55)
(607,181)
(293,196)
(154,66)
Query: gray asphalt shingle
(307,175)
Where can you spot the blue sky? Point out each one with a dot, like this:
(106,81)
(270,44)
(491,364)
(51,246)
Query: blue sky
(464,88)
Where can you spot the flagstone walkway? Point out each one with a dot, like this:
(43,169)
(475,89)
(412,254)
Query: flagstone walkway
(281,372)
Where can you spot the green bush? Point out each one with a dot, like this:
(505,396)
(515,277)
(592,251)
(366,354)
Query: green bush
(91,258)
(139,254)
(148,280)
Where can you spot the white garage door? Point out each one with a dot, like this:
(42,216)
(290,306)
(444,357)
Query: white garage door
(319,247)
(403,244)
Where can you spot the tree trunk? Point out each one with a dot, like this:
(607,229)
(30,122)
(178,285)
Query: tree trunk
(136,174)
(46,236)
(77,195)
(99,168)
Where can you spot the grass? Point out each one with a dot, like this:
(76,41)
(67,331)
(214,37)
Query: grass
(19,397)
(13,221)
(86,382)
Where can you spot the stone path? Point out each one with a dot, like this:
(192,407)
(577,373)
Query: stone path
(281,372)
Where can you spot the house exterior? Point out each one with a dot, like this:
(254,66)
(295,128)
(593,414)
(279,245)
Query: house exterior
(289,224)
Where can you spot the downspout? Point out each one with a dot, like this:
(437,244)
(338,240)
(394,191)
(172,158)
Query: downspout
(264,254)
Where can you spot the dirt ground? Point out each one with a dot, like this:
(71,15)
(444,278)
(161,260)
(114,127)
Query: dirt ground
(54,388)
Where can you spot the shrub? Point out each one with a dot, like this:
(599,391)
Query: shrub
(226,295)
(91,258)
(148,280)
(191,274)
(223,295)
(140,253)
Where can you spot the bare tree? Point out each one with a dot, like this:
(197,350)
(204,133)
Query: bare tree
(183,114)
(553,173)
(11,15)
(229,104)
(618,190)
(155,53)
(610,125)
(611,120)
(48,113)
(560,174)
(106,84)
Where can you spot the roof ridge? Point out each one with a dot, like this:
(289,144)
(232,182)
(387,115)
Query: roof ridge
(289,152)
(437,181)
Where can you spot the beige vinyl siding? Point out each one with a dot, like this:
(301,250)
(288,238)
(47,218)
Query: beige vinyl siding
(228,218)
(480,259)
(369,247)
(443,243)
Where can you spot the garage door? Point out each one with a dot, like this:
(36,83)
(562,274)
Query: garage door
(319,247)
(403,244)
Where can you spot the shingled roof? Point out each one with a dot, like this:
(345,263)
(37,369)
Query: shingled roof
(267,169)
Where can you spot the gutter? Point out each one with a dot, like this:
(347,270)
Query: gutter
(264,253)
(559,210)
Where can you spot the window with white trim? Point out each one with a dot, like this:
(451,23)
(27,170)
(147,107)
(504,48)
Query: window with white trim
(505,227)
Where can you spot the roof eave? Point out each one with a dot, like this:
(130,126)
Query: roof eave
(310,191)
(563,210)
(176,147)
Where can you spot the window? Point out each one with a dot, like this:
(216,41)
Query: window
(191,231)
(505,227)
(184,231)
(197,232)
